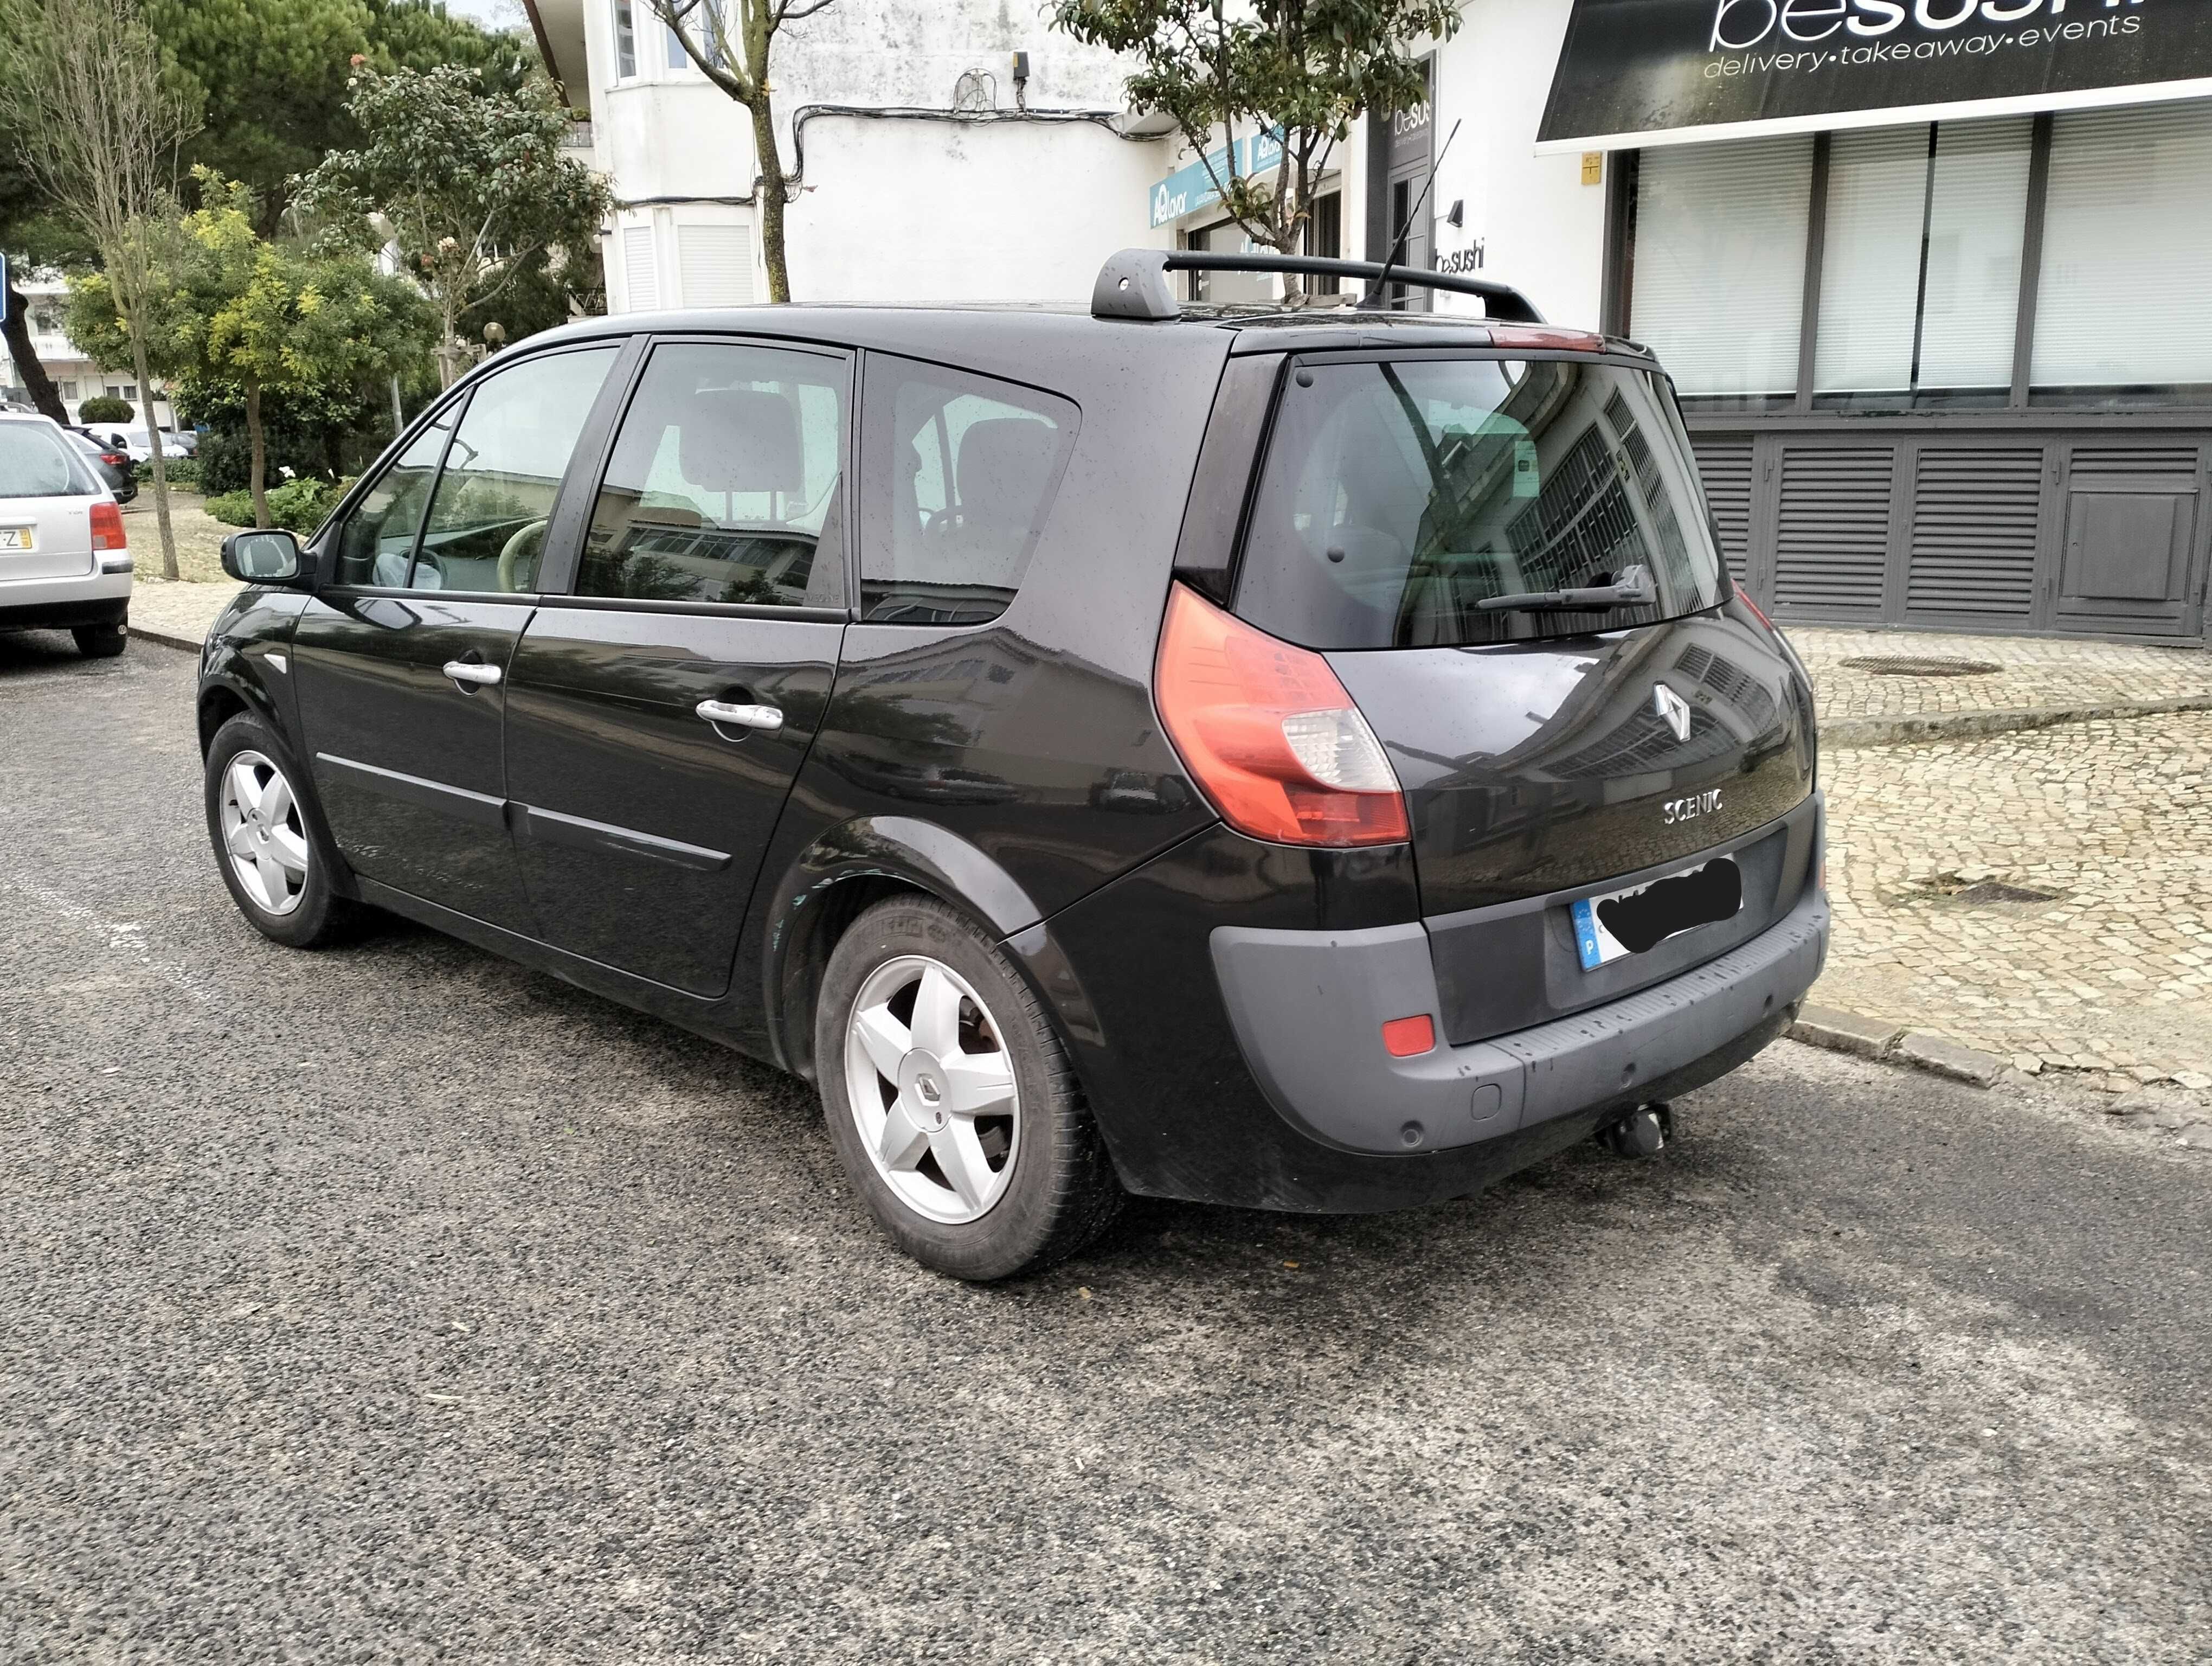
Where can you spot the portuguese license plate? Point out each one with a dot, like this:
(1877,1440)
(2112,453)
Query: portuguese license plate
(1621,923)
(19,538)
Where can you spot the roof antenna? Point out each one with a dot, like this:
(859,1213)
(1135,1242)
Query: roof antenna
(1374,301)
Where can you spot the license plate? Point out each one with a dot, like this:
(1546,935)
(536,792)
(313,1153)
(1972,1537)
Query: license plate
(19,538)
(1621,923)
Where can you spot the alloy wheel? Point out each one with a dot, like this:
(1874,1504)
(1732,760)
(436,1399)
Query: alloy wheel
(932,1088)
(263,834)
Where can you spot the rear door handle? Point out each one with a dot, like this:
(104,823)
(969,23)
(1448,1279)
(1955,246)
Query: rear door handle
(465,671)
(766,719)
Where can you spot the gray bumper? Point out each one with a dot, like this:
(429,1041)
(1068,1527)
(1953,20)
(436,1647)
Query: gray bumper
(1309,1009)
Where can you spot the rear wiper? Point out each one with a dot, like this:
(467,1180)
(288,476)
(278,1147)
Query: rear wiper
(1634,590)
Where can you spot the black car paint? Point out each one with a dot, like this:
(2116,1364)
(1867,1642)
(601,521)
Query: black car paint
(1016,807)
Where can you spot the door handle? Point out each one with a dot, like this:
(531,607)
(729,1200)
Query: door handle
(766,719)
(464,671)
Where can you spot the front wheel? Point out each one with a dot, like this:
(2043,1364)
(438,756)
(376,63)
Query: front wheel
(951,1100)
(276,863)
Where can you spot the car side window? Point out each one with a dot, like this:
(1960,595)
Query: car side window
(723,481)
(378,540)
(486,528)
(969,467)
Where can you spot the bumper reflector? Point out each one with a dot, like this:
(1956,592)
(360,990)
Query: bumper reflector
(1405,1038)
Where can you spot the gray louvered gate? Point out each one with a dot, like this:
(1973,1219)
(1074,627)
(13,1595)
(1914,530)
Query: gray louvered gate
(2084,529)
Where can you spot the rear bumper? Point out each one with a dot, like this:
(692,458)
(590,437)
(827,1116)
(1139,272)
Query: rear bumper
(62,604)
(1308,1009)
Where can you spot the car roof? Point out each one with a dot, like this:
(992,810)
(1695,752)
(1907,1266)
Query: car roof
(1059,332)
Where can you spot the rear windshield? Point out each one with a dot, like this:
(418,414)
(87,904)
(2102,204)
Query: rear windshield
(35,463)
(1399,493)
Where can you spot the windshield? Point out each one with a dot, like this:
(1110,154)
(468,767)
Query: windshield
(1398,493)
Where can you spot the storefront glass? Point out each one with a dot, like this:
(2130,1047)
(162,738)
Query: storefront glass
(1720,264)
(2124,311)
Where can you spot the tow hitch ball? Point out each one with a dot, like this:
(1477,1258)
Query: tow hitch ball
(1642,1133)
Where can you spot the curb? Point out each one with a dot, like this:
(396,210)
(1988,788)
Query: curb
(1839,1031)
(161,638)
(1849,731)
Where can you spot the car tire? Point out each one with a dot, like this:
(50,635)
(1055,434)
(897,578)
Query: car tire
(298,909)
(1054,1190)
(101,642)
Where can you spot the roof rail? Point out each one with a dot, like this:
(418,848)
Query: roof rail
(1133,283)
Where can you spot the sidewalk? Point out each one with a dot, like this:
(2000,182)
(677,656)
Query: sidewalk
(2045,894)
(177,615)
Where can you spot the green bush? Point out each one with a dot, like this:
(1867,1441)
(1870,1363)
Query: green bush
(298,506)
(232,508)
(106,408)
(226,462)
(183,472)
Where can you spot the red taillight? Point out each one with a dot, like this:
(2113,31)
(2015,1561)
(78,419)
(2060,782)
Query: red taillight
(114,459)
(1269,733)
(106,526)
(1408,1039)
(1758,612)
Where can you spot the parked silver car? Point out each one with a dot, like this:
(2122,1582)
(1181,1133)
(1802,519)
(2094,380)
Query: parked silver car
(63,561)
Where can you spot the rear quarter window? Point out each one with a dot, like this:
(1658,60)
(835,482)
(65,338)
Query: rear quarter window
(960,471)
(1397,495)
(34,462)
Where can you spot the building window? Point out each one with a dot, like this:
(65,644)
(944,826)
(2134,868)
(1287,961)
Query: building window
(2123,303)
(1923,272)
(68,390)
(1920,264)
(641,280)
(1720,263)
(1325,237)
(625,41)
(715,265)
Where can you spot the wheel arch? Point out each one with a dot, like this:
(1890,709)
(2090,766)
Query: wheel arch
(847,869)
(223,695)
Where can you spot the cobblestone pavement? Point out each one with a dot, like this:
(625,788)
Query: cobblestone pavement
(2109,820)
(2032,672)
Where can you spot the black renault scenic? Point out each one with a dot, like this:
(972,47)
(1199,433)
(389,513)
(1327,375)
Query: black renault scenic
(1307,758)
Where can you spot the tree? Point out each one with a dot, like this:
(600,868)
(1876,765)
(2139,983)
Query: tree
(103,408)
(1302,71)
(469,183)
(287,319)
(272,75)
(82,89)
(735,58)
(31,237)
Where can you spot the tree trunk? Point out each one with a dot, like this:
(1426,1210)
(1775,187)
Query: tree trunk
(154,445)
(257,467)
(772,192)
(17,329)
(448,345)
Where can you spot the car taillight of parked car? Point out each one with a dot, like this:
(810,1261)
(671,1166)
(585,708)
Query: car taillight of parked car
(1269,735)
(116,459)
(107,528)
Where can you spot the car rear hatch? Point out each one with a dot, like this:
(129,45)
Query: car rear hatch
(1549,756)
(47,494)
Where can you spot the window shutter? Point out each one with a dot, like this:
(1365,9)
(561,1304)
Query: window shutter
(1975,511)
(1870,260)
(1832,541)
(1720,262)
(1724,465)
(641,282)
(714,265)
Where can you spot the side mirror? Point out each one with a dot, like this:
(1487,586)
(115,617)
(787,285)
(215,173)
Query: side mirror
(265,557)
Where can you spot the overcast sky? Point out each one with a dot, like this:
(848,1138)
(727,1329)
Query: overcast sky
(492,14)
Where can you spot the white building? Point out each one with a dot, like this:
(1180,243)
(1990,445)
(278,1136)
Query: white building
(925,170)
(76,378)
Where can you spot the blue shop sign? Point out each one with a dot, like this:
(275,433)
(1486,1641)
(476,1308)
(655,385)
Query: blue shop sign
(1191,188)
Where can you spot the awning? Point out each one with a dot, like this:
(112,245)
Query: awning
(1634,73)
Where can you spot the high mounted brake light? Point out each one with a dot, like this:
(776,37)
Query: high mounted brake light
(1269,735)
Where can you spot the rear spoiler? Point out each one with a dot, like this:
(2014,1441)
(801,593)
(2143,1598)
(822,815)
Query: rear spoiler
(1134,284)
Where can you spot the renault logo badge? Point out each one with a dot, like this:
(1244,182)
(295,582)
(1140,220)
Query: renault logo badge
(1674,710)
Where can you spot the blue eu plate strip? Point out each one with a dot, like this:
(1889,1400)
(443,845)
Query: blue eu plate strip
(1586,935)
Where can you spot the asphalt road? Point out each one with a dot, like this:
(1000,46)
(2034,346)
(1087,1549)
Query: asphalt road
(395,1301)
